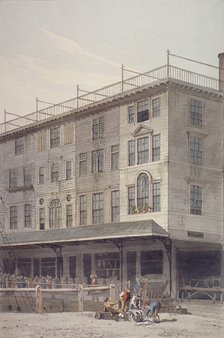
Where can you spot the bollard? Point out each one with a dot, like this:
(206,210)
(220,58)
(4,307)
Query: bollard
(80,298)
(38,299)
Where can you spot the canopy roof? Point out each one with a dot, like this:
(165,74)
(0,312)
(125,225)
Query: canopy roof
(82,234)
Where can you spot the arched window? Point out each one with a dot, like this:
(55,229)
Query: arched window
(55,220)
(143,191)
(54,172)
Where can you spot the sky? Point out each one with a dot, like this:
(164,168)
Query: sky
(48,47)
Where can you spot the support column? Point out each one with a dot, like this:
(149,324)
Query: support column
(222,267)
(138,264)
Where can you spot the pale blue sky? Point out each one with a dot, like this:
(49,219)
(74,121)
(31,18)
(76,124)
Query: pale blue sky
(48,47)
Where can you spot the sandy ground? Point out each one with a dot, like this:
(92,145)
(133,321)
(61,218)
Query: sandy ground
(206,320)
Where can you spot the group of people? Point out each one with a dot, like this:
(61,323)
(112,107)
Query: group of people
(8,280)
(128,302)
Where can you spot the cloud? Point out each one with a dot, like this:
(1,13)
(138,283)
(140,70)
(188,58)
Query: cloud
(73,48)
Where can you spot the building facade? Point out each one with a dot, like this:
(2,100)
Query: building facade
(129,185)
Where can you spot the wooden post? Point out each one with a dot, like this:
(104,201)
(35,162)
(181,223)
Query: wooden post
(38,299)
(112,292)
(80,298)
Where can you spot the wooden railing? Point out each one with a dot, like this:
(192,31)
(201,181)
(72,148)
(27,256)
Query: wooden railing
(33,299)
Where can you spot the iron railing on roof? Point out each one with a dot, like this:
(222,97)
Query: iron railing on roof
(166,72)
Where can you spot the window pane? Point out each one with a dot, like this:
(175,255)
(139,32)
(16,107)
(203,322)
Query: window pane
(143,150)
(196,200)
(156,148)
(13,217)
(131,153)
(196,150)
(98,128)
(131,200)
(156,107)
(54,173)
(27,215)
(19,145)
(131,114)
(55,217)
(115,205)
(143,192)
(196,113)
(97,161)
(82,164)
(143,111)
(68,170)
(98,206)
(115,157)
(12,178)
(55,137)
(41,175)
(69,219)
(156,196)
(83,210)
(27,176)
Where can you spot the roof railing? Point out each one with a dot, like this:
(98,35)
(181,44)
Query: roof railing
(166,72)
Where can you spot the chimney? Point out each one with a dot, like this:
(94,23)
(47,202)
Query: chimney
(221,72)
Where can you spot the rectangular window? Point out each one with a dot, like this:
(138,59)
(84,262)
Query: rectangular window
(131,152)
(27,176)
(97,161)
(82,164)
(155,148)
(151,262)
(13,217)
(55,137)
(54,172)
(41,175)
(27,216)
(83,210)
(156,107)
(131,114)
(115,157)
(143,111)
(68,170)
(97,208)
(196,113)
(19,146)
(196,150)
(108,265)
(98,128)
(115,205)
(42,140)
(143,150)
(68,133)
(42,218)
(12,178)
(131,200)
(156,196)
(196,200)
(69,219)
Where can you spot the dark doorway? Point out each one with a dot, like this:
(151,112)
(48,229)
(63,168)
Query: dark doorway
(72,266)
(131,266)
(87,267)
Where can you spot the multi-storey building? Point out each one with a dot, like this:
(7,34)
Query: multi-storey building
(123,182)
